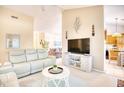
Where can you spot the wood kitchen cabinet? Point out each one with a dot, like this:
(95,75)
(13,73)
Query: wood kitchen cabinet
(117,44)
(120,42)
(113,55)
(111,40)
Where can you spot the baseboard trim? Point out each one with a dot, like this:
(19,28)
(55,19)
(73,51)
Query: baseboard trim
(97,70)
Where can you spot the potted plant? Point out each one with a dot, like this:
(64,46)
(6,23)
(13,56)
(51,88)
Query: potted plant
(55,67)
(45,44)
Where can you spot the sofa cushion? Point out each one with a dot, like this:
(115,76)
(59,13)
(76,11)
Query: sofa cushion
(22,69)
(31,54)
(42,53)
(17,56)
(36,66)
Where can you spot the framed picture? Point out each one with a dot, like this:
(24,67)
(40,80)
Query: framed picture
(12,41)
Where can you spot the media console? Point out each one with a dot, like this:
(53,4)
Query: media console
(79,61)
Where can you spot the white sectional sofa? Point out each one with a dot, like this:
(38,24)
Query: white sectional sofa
(28,61)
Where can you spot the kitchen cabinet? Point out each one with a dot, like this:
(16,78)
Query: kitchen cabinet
(111,40)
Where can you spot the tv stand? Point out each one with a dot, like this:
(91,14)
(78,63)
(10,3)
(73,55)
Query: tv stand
(79,61)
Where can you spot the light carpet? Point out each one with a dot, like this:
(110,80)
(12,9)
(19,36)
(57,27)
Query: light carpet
(36,81)
(77,79)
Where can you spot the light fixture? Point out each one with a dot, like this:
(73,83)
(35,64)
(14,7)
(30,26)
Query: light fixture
(66,34)
(93,30)
(116,34)
(43,8)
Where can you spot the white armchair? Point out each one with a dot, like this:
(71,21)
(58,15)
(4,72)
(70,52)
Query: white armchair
(8,77)
(8,80)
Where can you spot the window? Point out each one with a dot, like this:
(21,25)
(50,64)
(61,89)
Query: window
(57,44)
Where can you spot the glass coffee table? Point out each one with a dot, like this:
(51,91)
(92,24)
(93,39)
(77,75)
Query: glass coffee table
(56,79)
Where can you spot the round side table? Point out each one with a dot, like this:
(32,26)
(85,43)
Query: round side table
(56,79)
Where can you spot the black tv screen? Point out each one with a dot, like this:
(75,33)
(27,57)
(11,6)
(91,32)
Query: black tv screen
(81,46)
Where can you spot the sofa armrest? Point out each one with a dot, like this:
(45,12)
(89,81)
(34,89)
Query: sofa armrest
(53,59)
(6,67)
(6,63)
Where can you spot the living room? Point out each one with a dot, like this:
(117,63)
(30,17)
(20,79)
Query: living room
(35,39)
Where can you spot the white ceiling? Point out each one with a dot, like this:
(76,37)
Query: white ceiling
(114,11)
(66,7)
(111,11)
(32,10)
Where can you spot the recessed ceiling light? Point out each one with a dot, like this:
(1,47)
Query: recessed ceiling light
(122,19)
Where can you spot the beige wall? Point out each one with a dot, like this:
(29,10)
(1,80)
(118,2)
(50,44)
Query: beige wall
(23,26)
(88,16)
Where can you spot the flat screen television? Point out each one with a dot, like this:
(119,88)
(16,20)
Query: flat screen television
(81,46)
